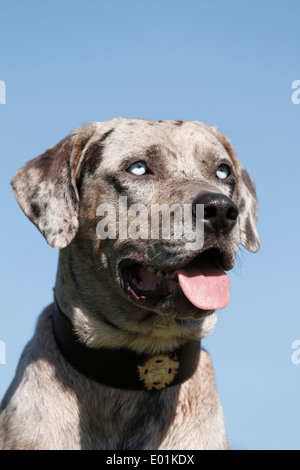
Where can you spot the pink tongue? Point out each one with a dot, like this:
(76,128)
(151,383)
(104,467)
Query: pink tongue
(207,287)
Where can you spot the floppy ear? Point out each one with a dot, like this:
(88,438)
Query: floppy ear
(248,211)
(46,191)
(246,198)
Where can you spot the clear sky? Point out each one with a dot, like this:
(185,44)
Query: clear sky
(230,64)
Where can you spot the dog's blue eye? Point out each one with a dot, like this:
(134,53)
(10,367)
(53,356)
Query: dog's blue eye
(138,169)
(223,172)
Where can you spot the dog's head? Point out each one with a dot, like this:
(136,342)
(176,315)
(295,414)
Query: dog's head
(104,191)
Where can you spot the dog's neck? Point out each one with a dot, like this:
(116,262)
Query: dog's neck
(122,368)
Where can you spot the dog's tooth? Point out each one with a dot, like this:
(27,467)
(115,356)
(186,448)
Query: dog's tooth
(150,269)
(168,276)
(159,274)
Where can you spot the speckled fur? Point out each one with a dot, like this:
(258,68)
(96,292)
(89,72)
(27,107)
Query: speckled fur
(49,405)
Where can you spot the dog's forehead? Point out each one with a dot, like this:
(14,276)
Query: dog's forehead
(124,138)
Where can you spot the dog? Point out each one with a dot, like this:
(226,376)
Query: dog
(115,362)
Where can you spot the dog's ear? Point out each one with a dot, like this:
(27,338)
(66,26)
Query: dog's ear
(46,191)
(248,211)
(246,198)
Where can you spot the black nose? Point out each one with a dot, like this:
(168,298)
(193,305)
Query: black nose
(220,212)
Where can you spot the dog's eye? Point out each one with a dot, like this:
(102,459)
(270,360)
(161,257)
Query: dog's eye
(223,172)
(138,169)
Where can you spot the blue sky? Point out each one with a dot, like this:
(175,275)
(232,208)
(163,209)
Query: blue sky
(229,64)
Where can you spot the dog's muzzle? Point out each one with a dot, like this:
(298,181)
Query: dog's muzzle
(201,279)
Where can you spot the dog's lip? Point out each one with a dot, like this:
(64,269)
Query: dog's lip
(167,286)
(222,258)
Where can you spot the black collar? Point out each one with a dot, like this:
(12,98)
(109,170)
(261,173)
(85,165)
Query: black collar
(122,368)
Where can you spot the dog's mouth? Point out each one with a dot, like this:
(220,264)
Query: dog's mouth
(202,280)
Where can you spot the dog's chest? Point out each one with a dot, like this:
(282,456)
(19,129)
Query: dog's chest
(127,420)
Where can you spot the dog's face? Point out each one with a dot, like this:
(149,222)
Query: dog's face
(104,171)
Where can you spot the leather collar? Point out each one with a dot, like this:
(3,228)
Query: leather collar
(122,368)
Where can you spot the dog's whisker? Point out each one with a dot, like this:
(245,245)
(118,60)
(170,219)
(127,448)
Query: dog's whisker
(100,267)
(159,253)
(237,269)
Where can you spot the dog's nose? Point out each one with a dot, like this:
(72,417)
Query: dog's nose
(220,212)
